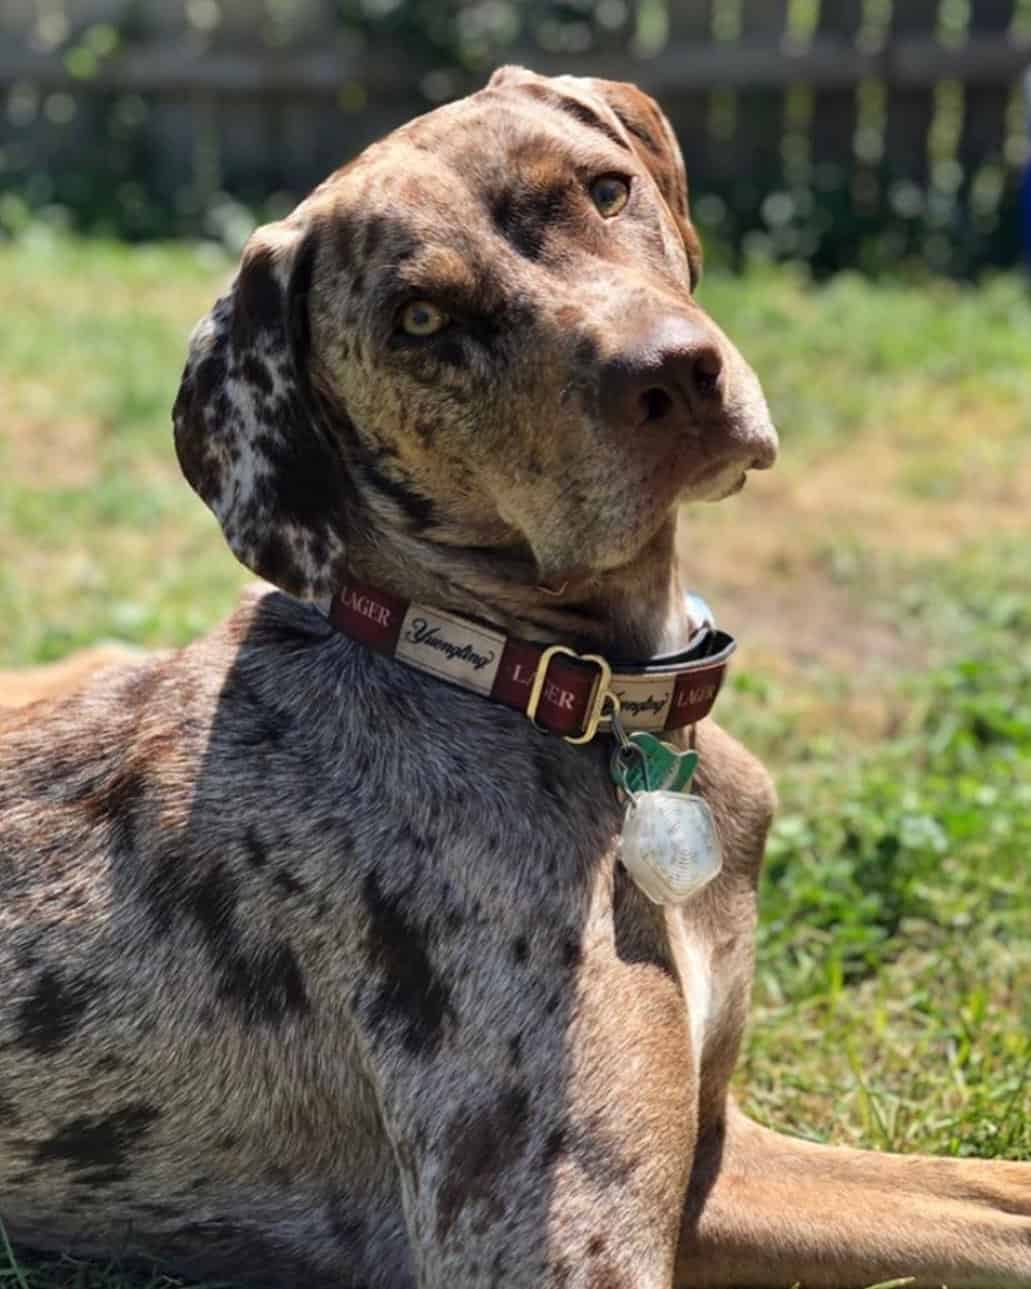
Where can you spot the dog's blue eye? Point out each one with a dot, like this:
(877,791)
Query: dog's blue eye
(610,194)
(423,318)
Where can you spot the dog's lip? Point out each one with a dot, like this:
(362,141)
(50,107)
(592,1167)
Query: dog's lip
(734,488)
(709,485)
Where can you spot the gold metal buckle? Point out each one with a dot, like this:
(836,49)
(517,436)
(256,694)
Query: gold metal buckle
(599,694)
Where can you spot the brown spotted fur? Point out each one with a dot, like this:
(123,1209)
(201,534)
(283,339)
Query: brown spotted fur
(51,680)
(318,972)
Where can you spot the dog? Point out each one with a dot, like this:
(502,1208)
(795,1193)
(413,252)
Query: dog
(321,970)
(28,685)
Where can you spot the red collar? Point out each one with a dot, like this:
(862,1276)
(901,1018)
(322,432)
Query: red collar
(562,691)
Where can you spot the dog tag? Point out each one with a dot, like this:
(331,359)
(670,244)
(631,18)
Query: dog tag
(669,845)
(654,766)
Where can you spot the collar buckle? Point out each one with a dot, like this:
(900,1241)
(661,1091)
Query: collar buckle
(600,694)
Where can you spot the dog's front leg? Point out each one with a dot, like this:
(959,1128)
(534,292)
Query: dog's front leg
(543,1123)
(766,1212)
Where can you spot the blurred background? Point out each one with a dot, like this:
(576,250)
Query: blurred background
(839,132)
(856,169)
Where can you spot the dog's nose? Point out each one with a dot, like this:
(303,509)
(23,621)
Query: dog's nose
(676,369)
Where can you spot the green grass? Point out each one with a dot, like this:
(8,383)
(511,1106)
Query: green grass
(880,584)
(101,538)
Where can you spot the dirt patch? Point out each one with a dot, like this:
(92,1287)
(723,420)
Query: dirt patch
(40,451)
(800,564)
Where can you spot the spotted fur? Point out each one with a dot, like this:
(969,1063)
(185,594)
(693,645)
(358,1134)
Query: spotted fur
(319,972)
(319,434)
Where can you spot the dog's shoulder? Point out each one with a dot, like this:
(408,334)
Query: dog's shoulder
(276,743)
(738,788)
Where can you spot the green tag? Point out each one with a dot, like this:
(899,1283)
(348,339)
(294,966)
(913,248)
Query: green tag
(657,768)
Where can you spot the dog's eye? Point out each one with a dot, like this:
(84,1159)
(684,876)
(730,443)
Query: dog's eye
(422,318)
(610,194)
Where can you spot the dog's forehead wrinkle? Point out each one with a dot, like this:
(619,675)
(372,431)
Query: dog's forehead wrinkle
(388,243)
(527,186)
(575,100)
(438,268)
(481,145)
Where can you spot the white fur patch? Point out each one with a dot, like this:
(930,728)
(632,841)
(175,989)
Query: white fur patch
(699,993)
(702,995)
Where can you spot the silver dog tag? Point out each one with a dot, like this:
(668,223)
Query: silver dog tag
(669,845)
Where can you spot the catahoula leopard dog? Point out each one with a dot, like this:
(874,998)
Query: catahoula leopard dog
(321,969)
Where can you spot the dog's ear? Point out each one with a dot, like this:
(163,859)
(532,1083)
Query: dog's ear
(652,138)
(251,434)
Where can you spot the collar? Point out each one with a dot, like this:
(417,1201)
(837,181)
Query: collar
(562,691)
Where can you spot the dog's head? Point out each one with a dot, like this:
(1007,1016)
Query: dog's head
(480,336)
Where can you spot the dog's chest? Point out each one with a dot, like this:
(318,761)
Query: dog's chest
(455,814)
(701,990)
(709,977)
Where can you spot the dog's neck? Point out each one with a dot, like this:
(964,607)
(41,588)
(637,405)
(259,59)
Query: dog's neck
(632,612)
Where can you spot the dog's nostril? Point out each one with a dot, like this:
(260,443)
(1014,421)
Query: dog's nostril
(706,371)
(656,404)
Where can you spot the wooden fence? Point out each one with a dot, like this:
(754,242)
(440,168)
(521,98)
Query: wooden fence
(834,130)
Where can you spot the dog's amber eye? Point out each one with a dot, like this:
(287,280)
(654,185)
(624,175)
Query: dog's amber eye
(610,194)
(421,318)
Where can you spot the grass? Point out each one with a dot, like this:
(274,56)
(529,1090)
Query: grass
(878,580)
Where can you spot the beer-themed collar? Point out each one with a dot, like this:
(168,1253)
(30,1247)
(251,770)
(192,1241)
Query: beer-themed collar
(564,692)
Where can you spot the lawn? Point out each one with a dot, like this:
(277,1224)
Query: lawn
(879,581)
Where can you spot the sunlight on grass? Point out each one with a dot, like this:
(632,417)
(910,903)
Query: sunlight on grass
(102,539)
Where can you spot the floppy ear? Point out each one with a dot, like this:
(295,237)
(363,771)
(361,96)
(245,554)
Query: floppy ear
(652,138)
(251,434)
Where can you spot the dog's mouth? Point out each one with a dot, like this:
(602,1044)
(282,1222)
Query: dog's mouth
(717,486)
(727,477)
